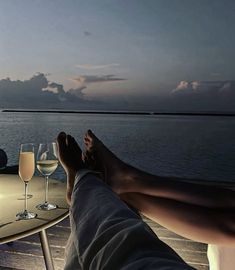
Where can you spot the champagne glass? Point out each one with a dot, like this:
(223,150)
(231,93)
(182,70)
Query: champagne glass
(47,163)
(26,171)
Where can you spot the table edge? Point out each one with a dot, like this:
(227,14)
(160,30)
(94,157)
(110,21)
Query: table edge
(18,236)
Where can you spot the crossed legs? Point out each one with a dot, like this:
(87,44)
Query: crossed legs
(105,232)
(196,211)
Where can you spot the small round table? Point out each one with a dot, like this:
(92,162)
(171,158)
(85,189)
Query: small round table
(12,202)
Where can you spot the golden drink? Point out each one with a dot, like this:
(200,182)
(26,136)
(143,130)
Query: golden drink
(26,166)
(47,167)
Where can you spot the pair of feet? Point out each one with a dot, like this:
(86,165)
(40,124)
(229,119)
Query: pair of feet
(96,156)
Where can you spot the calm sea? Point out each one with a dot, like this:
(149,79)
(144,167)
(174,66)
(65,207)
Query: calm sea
(186,146)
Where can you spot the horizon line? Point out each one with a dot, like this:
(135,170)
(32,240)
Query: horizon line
(182,113)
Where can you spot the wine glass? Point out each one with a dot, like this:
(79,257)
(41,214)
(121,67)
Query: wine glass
(47,163)
(26,171)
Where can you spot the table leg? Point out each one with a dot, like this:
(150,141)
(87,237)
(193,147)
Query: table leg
(46,250)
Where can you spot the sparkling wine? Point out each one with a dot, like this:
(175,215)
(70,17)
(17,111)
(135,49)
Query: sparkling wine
(26,165)
(47,167)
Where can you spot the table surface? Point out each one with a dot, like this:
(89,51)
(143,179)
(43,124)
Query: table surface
(12,202)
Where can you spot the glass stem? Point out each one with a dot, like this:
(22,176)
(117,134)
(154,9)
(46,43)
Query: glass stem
(26,196)
(46,189)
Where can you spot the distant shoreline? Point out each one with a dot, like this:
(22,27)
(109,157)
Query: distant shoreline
(121,112)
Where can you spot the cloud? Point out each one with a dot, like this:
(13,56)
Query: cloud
(27,87)
(86,79)
(91,67)
(59,87)
(38,92)
(86,33)
(185,87)
(77,92)
(204,87)
(182,86)
(218,95)
(227,87)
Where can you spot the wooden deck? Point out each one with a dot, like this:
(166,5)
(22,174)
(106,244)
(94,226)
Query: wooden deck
(26,253)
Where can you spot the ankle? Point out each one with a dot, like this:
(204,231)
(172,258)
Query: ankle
(133,181)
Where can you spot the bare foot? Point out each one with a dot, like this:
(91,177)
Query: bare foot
(115,172)
(70,156)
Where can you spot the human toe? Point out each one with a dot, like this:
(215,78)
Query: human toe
(73,145)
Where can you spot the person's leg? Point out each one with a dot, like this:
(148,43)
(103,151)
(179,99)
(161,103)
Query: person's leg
(106,233)
(70,158)
(191,210)
(124,178)
(202,224)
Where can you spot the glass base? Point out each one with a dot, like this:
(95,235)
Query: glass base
(25,215)
(46,206)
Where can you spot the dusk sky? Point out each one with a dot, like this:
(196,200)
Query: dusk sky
(123,49)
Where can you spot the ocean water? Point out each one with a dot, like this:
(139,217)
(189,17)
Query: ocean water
(197,147)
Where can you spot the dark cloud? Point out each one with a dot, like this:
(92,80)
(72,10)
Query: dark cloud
(38,92)
(77,92)
(22,89)
(204,95)
(205,87)
(85,79)
(59,87)
(86,33)
(88,66)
